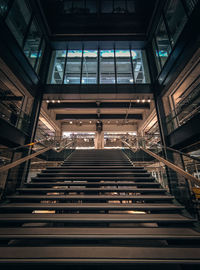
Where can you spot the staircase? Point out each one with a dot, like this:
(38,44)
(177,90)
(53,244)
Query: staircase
(95,210)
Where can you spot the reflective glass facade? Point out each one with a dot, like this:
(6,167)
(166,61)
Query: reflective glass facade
(23,25)
(108,66)
(94,6)
(174,17)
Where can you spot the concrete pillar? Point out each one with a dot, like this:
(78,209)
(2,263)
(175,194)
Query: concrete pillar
(99,140)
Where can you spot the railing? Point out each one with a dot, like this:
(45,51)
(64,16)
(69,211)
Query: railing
(15,117)
(188,108)
(22,161)
(167,166)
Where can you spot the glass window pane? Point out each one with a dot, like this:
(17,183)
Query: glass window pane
(67,5)
(107,69)
(73,67)
(156,56)
(40,55)
(89,74)
(131,6)
(18,19)
(191,5)
(123,64)
(78,6)
(107,6)
(3,7)
(176,19)
(32,43)
(163,43)
(56,69)
(140,66)
(119,6)
(91,6)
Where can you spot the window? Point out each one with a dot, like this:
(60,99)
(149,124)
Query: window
(89,74)
(157,59)
(190,4)
(107,69)
(18,20)
(3,7)
(107,6)
(140,66)
(40,54)
(73,67)
(176,19)
(31,47)
(124,69)
(163,43)
(56,70)
(108,66)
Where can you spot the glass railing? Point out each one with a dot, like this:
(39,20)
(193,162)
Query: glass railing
(174,170)
(15,116)
(19,164)
(186,110)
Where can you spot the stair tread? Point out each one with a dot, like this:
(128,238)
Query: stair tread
(110,254)
(150,233)
(91,206)
(93,189)
(82,183)
(90,196)
(131,218)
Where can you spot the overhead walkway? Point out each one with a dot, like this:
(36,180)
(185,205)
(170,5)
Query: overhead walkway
(96,209)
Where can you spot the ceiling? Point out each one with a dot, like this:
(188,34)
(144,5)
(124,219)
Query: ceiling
(105,18)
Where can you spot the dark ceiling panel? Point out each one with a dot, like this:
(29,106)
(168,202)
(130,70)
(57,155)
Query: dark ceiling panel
(73,18)
(95,116)
(85,105)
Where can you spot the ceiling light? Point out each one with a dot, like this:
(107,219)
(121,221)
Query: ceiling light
(47,101)
(143,100)
(138,100)
(58,101)
(53,101)
(149,100)
(71,122)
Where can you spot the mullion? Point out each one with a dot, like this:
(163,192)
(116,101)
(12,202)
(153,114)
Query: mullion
(65,64)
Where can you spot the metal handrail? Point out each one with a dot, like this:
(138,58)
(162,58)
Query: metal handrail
(175,168)
(181,153)
(20,161)
(174,150)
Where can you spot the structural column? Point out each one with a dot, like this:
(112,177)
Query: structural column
(99,136)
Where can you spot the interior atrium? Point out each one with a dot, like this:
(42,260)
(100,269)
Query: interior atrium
(99,134)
